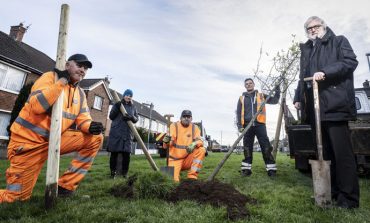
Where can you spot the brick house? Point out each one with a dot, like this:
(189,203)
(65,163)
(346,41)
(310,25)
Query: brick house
(98,98)
(20,64)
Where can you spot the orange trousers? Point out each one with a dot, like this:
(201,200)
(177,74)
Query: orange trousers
(193,162)
(26,164)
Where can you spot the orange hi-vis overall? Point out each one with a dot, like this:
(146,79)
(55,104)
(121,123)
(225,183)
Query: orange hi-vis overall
(28,146)
(179,158)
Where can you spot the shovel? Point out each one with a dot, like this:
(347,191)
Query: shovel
(320,168)
(168,170)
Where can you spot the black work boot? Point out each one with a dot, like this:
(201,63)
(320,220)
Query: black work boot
(245,173)
(62,192)
(271,173)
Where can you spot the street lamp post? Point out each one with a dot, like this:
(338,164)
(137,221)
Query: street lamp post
(368,59)
(151,106)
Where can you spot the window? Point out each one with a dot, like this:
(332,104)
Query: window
(358,104)
(11,79)
(4,122)
(98,102)
(141,121)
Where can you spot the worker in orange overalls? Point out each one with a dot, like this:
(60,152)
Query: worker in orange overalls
(28,146)
(186,147)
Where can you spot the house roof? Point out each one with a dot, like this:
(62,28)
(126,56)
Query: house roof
(22,55)
(91,84)
(144,110)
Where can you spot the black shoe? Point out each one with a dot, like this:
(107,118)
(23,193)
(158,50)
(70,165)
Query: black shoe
(271,173)
(246,173)
(346,204)
(62,192)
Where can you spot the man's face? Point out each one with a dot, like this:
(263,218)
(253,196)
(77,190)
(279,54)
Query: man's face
(249,85)
(186,120)
(315,30)
(76,71)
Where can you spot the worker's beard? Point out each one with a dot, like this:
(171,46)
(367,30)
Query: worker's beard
(185,122)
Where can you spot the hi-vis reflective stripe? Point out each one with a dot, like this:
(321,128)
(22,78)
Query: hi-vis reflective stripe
(84,159)
(14,187)
(69,116)
(180,146)
(81,99)
(198,161)
(196,169)
(77,170)
(271,167)
(44,103)
(246,166)
(160,136)
(32,127)
(83,110)
(32,94)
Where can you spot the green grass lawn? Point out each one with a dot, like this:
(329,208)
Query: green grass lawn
(284,199)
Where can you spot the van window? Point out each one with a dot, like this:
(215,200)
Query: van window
(358,104)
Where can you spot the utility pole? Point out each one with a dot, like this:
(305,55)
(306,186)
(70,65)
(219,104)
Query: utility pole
(221,138)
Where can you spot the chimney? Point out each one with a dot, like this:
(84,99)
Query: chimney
(366,84)
(107,80)
(17,32)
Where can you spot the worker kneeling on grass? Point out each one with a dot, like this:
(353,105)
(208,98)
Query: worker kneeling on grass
(28,146)
(186,147)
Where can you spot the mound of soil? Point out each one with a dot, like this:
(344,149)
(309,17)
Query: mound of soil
(215,193)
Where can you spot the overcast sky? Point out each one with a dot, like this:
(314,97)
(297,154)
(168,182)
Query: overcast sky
(190,54)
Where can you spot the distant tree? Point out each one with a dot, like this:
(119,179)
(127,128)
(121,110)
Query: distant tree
(19,103)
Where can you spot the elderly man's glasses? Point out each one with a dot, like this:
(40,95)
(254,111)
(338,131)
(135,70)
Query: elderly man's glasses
(186,116)
(312,28)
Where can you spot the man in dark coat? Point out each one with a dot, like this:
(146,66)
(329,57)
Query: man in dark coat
(120,136)
(330,60)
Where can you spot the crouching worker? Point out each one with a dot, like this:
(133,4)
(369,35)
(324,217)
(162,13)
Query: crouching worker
(186,147)
(28,146)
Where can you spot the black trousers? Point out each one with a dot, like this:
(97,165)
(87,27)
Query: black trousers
(343,170)
(125,161)
(258,130)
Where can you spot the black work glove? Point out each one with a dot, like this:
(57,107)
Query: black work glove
(96,128)
(62,74)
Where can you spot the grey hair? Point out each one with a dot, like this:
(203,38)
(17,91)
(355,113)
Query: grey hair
(314,18)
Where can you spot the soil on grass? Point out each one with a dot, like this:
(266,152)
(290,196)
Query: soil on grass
(124,190)
(215,193)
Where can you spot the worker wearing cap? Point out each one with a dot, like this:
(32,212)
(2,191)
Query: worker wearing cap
(186,147)
(28,145)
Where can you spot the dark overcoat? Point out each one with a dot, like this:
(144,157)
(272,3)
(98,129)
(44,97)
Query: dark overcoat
(334,56)
(120,135)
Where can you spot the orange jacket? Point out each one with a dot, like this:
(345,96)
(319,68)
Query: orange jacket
(182,137)
(33,122)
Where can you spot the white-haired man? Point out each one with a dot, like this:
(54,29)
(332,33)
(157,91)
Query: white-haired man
(330,60)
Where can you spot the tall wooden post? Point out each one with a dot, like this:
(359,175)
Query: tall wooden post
(280,118)
(52,172)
